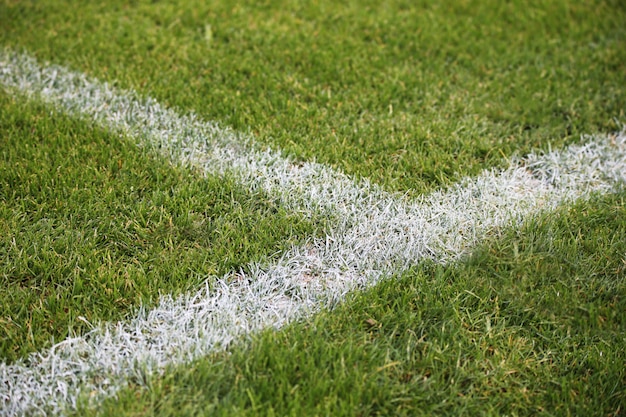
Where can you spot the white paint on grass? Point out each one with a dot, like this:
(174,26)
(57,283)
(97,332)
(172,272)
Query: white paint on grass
(376,234)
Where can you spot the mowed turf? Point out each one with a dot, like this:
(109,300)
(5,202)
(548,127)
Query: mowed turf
(531,324)
(92,226)
(410,95)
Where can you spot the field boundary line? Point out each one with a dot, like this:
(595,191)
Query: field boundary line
(376,234)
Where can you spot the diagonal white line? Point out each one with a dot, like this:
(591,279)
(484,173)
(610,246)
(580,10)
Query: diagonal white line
(376,234)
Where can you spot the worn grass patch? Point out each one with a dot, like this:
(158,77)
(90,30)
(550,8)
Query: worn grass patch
(531,324)
(410,95)
(91,226)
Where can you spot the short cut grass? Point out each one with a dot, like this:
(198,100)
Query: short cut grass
(92,226)
(412,95)
(530,324)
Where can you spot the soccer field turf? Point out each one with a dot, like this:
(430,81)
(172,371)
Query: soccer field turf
(195,272)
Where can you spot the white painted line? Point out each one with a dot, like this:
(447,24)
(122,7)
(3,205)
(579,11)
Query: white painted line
(376,234)
(185,138)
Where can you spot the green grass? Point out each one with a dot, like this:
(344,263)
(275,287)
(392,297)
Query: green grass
(531,324)
(412,96)
(91,226)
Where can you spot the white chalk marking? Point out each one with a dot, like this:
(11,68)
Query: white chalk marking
(377,234)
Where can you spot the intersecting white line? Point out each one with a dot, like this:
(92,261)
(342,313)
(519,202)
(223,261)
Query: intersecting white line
(376,234)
